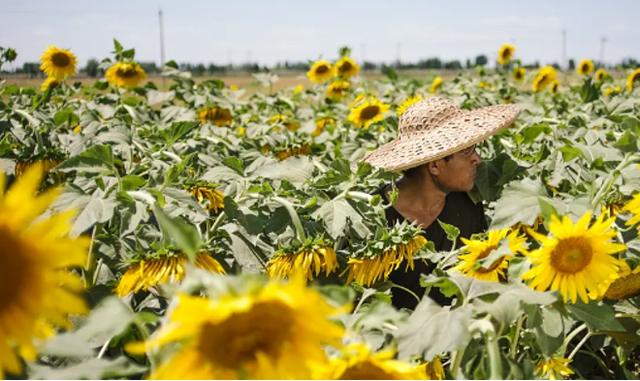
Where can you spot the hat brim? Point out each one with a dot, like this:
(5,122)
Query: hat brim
(461,131)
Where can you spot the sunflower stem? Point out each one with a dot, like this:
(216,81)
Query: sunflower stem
(607,186)
(570,337)
(494,356)
(294,217)
(516,337)
(104,348)
(579,345)
(91,261)
(455,364)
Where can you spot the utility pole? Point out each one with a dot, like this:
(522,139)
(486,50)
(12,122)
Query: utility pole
(564,48)
(161,39)
(398,50)
(603,40)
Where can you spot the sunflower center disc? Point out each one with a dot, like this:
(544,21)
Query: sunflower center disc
(60,59)
(493,265)
(365,371)
(14,265)
(345,67)
(322,69)
(571,255)
(369,112)
(127,72)
(265,328)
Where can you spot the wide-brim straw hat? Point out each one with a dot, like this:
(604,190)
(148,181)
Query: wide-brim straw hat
(434,128)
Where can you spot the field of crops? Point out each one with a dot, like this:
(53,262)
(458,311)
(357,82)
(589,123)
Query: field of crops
(196,231)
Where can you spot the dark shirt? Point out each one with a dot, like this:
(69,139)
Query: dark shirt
(460,211)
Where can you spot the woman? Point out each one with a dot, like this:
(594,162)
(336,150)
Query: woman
(435,151)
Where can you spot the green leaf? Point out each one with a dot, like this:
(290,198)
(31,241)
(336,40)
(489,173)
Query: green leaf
(96,159)
(92,369)
(177,131)
(432,330)
(337,214)
(451,231)
(132,182)
(519,203)
(117,46)
(598,317)
(96,210)
(234,163)
(294,169)
(182,234)
(66,115)
(628,142)
(569,153)
(529,134)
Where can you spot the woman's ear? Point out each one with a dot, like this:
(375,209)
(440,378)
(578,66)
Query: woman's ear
(433,167)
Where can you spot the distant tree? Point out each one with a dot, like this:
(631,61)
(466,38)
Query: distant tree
(91,68)
(468,64)
(572,64)
(368,65)
(453,65)
(32,69)
(481,60)
(149,67)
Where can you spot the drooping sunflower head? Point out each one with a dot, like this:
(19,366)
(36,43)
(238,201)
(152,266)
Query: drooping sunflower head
(368,270)
(554,86)
(633,207)
(311,261)
(217,116)
(545,76)
(347,67)
(125,74)
(626,286)
(286,153)
(577,260)
(553,368)
(358,362)
(149,273)
(612,90)
(435,85)
(212,197)
(505,53)
(49,83)
(518,73)
(600,75)
(633,77)
(321,124)
(585,67)
(288,121)
(276,331)
(321,71)
(37,292)
(410,101)
(58,63)
(476,250)
(338,89)
(367,112)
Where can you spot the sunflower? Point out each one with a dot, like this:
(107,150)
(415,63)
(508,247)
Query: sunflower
(553,368)
(576,260)
(215,115)
(36,292)
(272,332)
(408,103)
(338,89)
(505,53)
(518,73)
(633,206)
(58,63)
(149,273)
(368,112)
(476,250)
(347,67)
(600,74)
(435,85)
(545,76)
(585,67)
(49,83)
(311,261)
(214,198)
(434,369)
(554,86)
(626,286)
(304,149)
(612,90)
(125,74)
(321,71)
(358,362)
(45,164)
(287,121)
(367,271)
(321,124)
(632,78)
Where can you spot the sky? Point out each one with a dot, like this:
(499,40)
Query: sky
(268,32)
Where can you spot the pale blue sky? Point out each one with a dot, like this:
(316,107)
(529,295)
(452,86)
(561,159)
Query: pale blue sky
(271,31)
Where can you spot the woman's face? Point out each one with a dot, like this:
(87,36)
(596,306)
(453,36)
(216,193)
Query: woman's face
(458,173)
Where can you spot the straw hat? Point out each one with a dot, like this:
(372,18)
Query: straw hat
(435,128)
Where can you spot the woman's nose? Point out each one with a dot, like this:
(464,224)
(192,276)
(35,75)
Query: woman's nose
(475,158)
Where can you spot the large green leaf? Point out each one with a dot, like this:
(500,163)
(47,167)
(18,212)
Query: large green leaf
(597,316)
(519,203)
(182,234)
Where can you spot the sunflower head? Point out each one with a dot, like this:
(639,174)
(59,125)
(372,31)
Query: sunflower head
(471,263)
(435,85)
(585,67)
(600,75)
(367,112)
(554,368)
(321,71)
(125,74)
(410,101)
(58,63)
(338,89)
(577,260)
(217,116)
(253,331)
(346,67)
(545,77)
(283,154)
(633,77)
(358,362)
(554,86)
(518,73)
(311,260)
(612,90)
(633,207)
(49,83)
(212,197)
(288,121)
(37,292)
(321,124)
(505,53)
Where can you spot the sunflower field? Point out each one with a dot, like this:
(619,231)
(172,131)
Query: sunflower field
(192,230)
